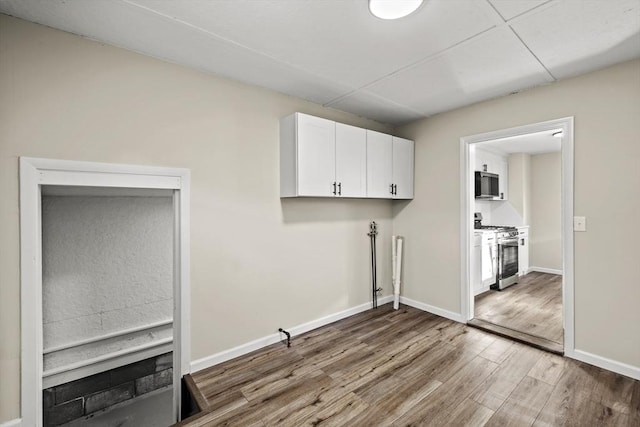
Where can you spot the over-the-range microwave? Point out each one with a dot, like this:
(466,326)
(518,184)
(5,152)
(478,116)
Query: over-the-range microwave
(487,185)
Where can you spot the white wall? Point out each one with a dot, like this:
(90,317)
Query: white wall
(257,262)
(607,130)
(545,233)
(107,267)
(520,186)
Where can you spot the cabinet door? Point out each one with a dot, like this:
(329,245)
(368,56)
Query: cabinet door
(316,156)
(403,168)
(476,266)
(351,160)
(379,164)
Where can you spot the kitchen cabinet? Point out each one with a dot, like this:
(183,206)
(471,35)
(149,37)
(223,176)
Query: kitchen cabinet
(379,165)
(489,258)
(403,153)
(523,250)
(390,168)
(502,167)
(477,286)
(351,161)
(321,158)
(487,161)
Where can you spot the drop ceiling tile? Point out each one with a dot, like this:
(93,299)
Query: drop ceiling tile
(511,8)
(122,24)
(337,39)
(492,65)
(373,107)
(572,40)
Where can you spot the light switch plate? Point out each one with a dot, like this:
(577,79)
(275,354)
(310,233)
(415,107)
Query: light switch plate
(579,223)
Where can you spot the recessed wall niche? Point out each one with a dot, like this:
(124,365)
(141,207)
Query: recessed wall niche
(107,298)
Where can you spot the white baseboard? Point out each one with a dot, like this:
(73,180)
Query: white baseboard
(243,349)
(545,270)
(456,317)
(13,423)
(604,363)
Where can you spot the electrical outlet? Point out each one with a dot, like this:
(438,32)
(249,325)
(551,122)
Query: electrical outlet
(579,223)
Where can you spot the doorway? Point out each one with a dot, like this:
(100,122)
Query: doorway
(510,283)
(70,344)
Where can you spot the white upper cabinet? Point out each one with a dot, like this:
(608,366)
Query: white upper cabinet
(402,168)
(503,180)
(351,161)
(487,161)
(322,158)
(307,156)
(316,156)
(379,164)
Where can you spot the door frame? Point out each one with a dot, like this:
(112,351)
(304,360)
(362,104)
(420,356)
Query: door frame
(466,218)
(36,172)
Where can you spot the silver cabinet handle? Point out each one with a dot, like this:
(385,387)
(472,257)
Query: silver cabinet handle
(339,189)
(334,189)
(391,191)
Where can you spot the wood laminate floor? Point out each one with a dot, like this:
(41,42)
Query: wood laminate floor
(532,306)
(407,367)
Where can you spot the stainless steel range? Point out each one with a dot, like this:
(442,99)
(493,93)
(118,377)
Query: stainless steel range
(507,247)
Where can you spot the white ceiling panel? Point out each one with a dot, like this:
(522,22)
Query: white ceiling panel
(376,108)
(509,9)
(575,36)
(486,67)
(337,39)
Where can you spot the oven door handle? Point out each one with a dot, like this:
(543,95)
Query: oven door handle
(508,242)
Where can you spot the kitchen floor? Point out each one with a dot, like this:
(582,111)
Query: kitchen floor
(532,306)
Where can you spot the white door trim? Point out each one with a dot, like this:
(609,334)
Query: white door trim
(34,173)
(466,218)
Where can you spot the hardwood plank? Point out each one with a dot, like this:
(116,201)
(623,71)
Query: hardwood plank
(305,405)
(397,401)
(523,405)
(337,413)
(499,350)
(570,396)
(470,413)
(614,391)
(549,368)
(435,410)
(261,408)
(266,385)
(499,386)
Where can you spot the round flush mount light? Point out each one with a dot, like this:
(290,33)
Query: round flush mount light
(393,9)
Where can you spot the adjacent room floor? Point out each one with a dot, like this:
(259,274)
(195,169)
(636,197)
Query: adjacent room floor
(532,306)
(385,367)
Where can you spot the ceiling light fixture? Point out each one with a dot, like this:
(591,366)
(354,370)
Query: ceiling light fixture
(393,9)
(557,134)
